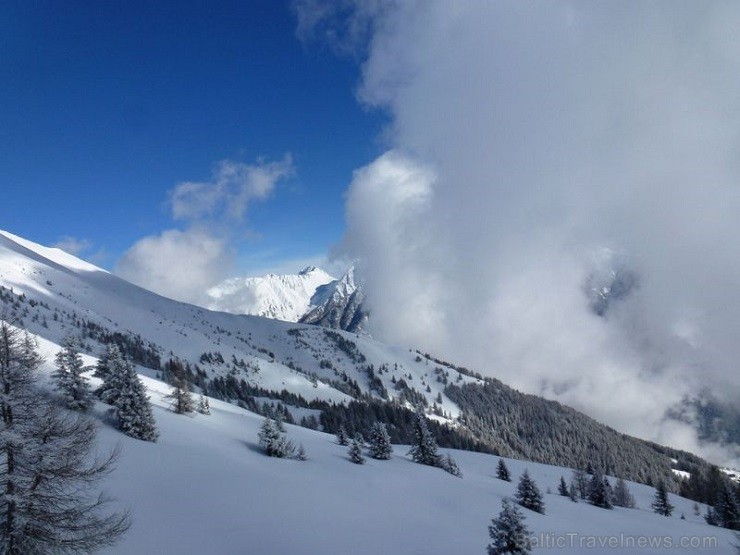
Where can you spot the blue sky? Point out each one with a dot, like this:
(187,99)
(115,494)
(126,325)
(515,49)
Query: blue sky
(105,107)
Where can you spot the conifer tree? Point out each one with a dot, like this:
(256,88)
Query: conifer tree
(204,407)
(528,494)
(180,397)
(273,441)
(449,465)
(109,369)
(47,471)
(342,436)
(425,449)
(502,471)
(581,481)
(132,408)
(660,504)
(508,532)
(622,495)
(355,451)
(573,492)
(563,487)
(71,384)
(599,493)
(380,442)
(727,509)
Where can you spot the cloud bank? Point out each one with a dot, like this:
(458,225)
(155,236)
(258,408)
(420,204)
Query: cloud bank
(527,140)
(183,263)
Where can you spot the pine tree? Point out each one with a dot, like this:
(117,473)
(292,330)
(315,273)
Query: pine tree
(342,436)
(502,471)
(528,494)
(581,481)
(508,532)
(47,471)
(301,456)
(449,465)
(711,517)
(622,495)
(727,509)
(132,408)
(180,396)
(355,451)
(273,441)
(573,492)
(599,491)
(110,368)
(660,504)
(563,487)
(68,378)
(425,450)
(204,407)
(380,442)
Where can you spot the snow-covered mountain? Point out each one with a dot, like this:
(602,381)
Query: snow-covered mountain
(338,305)
(196,483)
(282,297)
(311,296)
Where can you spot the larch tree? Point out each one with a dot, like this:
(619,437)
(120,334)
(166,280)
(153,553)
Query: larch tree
(47,471)
(68,379)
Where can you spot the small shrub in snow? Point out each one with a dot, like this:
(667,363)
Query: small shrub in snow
(448,464)
(204,407)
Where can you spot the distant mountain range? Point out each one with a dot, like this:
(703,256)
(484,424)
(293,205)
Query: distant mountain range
(311,296)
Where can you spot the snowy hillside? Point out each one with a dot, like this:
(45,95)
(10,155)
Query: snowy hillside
(205,487)
(284,297)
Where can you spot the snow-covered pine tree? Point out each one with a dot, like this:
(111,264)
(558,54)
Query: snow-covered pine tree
(68,379)
(355,451)
(711,517)
(273,441)
(727,509)
(502,471)
(342,436)
(47,471)
(622,495)
(573,492)
(204,407)
(380,442)
(660,504)
(110,367)
(448,464)
(425,449)
(180,397)
(528,494)
(133,410)
(599,491)
(508,532)
(563,487)
(581,481)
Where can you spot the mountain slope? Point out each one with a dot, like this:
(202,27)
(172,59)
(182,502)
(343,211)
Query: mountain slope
(335,376)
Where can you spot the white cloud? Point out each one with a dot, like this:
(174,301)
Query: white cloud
(539,134)
(73,246)
(184,263)
(178,264)
(231,188)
